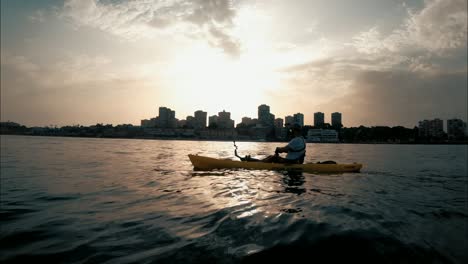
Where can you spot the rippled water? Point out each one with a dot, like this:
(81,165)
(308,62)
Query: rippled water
(76,200)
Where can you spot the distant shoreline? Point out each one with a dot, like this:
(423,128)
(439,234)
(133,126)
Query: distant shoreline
(245,140)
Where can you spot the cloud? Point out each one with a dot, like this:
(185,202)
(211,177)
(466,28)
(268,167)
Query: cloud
(402,98)
(210,19)
(72,69)
(18,62)
(377,90)
(347,65)
(439,27)
(38,16)
(77,89)
(369,42)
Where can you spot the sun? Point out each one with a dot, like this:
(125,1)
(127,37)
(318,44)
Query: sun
(210,80)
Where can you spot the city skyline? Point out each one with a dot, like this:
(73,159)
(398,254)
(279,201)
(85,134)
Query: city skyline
(264,117)
(319,120)
(377,62)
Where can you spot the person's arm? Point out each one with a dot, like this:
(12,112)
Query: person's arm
(282,149)
(290,146)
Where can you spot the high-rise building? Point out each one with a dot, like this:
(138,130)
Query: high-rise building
(431,128)
(224,115)
(166,118)
(247,121)
(336,120)
(264,116)
(278,123)
(278,127)
(288,120)
(224,120)
(213,120)
(299,119)
(190,122)
(456,128)
(319,119)
(200,119)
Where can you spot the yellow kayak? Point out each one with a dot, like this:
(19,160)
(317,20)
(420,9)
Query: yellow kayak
(207,163)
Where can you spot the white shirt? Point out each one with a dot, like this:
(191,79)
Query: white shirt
(295,144)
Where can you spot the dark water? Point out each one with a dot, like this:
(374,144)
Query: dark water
(72,200)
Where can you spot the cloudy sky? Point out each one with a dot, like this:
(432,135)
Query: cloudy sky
(388,62)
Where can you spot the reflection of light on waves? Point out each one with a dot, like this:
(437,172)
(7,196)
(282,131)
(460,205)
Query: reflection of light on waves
(236,202)
(236,192)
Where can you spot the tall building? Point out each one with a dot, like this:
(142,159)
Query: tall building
(319,119)
(224,120)
(190,122)
(456,128)
(278,123)
(278,127)
(166,118)
(247,121)
(299,119)
(271,120)
(264,116)
(200,119)
(288,120)
(336,120)
(213,120)
(431,128)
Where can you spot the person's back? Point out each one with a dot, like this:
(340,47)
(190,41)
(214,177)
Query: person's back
(297,149)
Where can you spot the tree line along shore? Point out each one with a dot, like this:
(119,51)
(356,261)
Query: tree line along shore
(361,134)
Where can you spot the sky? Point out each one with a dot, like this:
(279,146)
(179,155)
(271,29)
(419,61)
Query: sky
(388,62)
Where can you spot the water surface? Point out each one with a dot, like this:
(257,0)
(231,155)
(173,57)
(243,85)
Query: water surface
(78,200)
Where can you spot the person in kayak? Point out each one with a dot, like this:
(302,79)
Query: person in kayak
(296,149)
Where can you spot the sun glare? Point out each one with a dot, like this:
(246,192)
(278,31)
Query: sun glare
(203,76)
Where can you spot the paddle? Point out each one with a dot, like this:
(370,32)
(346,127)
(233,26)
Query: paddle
(235,151)
(246,158)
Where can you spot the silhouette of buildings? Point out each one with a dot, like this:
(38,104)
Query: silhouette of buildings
(223,120)
(265,118)
(166,119)
(189,122)
(431,128)
(288,120)
(322,135)
(428,131)
(200,119)
(319,119)
(247,121)
(266,127)
(148,122)
(299,119)
(279,128)
(213,121)
(456,129)
(336,120)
